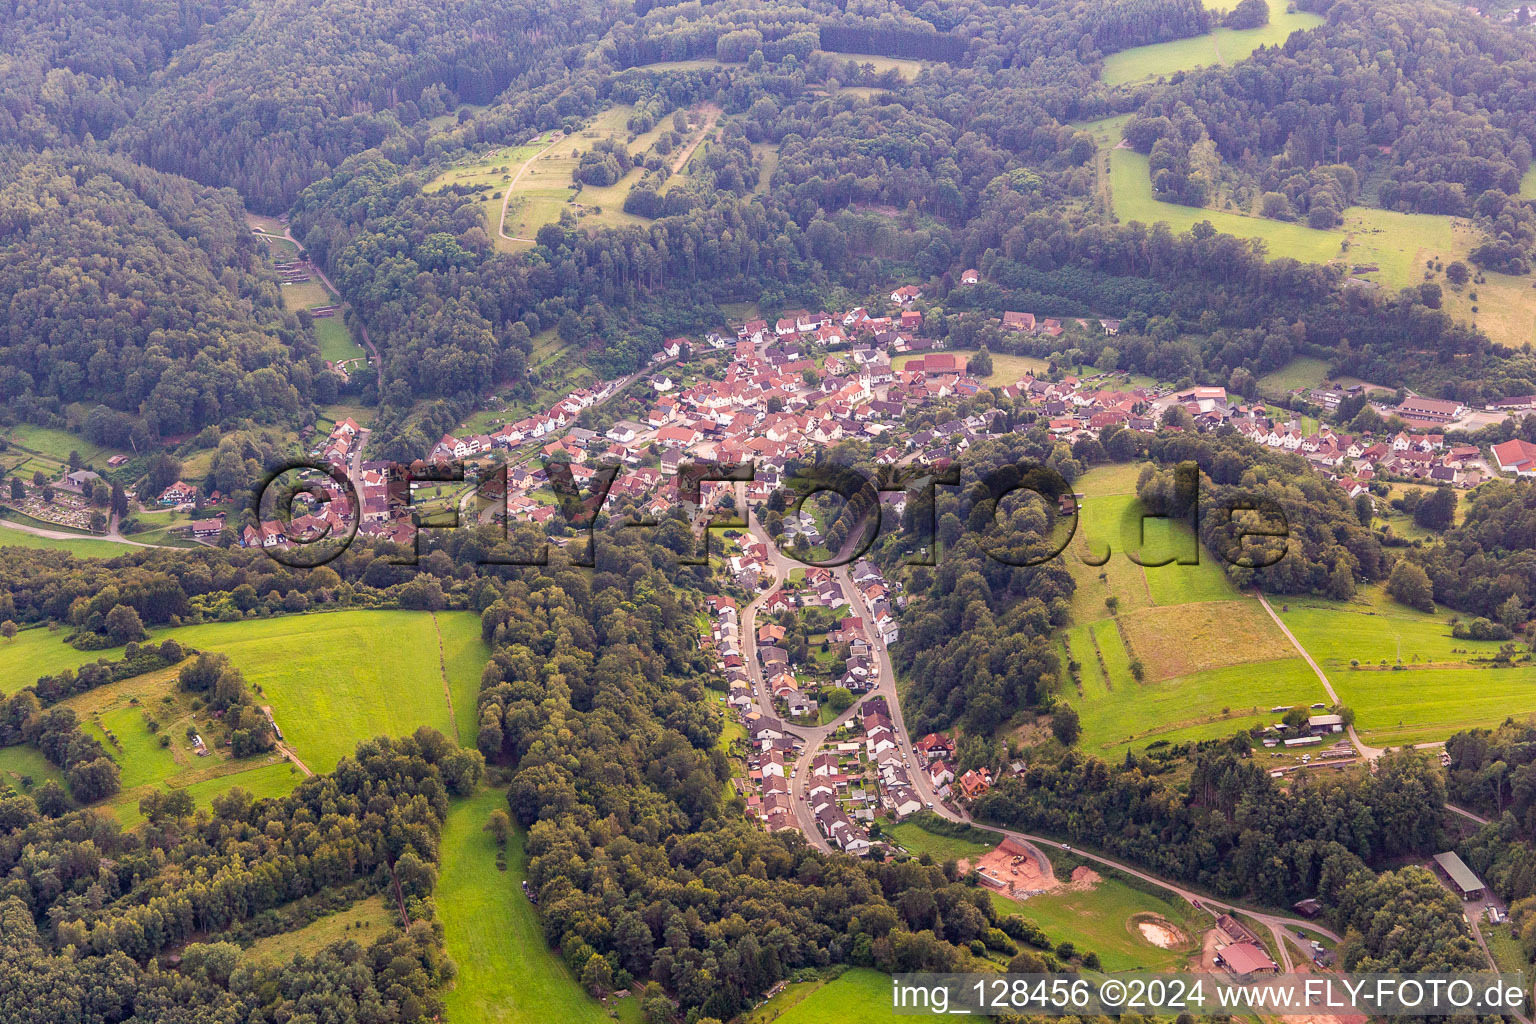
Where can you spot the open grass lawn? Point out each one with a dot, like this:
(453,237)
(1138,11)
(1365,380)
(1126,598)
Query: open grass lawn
(1504,947)
(56,444)
(278,245)
(545,187)
(1301,372)
(362,414)
(1212,660)
(262,222)
(490,173)
(767,155)
(1204,705)
(1131,190)
(857,996)
(84,547)
(919,840)
(506,973)
(332,679)
(306,294)
(341,677)
(1103,919)
(907,68)
(1099,540)
(275,779)
(1506,306)
(1397,245)
(336,343)
(1441,688)
(25,761)
(363,922)
(118,716)
(34,653)
(1221,46)
(1177,582)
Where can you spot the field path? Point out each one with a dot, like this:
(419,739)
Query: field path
(1369,753)
(378,363)
(711,114)
(442,664)
(38,531)
(501,226)
(283,748)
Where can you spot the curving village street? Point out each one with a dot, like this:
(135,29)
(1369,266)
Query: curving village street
(812,740)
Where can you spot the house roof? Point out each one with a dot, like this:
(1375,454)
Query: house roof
(1245,958)
(1458,871)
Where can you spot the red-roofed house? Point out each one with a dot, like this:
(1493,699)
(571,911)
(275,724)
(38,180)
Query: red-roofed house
(1516,456)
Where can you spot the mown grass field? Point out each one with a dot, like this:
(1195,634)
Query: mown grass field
(506,973)
(270,780)
(24,761)
(1102,919)
(908,69)
(336,342)
(363,922)
(1398,245)
(118,716)
(1301,372)
(1204,705)
(1006,369)
(858,996)
(545,188)
(492,174)
(341,677)
(1506,306)
(56,444)
(919,840)
(1220,46)
(85,547)
(34,653)
(1441,688)
(332,679)
(1212,660)
(306,294)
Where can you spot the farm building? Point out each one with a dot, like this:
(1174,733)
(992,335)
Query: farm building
(1459,875)
(1244,959)
(1435,410)
(1516,456)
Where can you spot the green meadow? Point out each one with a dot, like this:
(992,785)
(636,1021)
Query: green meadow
(332,679)
(1218,47)
(858,996)
(489,175)
(1301,372)
(84,547)
(363,922)
(1179,623)
(507,975)
(919,840)
(546,185)
(272,779)
(162,756)
(336,342)
(26,762)
(1441,688)
(1102,917)
(1396,244)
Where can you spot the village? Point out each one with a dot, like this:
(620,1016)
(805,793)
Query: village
(784,391)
